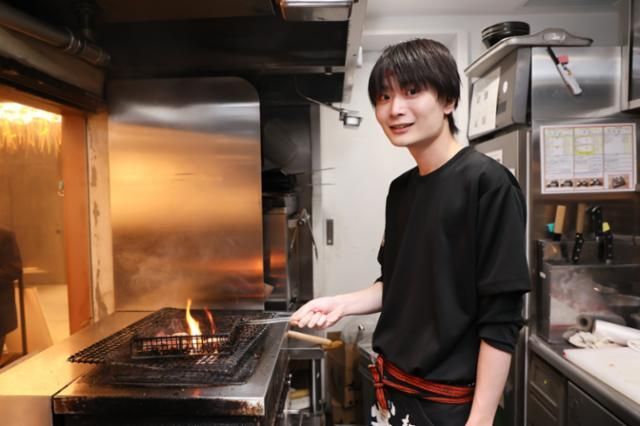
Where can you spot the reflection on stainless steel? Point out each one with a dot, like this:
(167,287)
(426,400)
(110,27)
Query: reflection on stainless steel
(185,193)
(89,400)
(26,388)
(596,67)
(635,55)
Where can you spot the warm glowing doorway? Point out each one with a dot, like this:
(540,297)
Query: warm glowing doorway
(43,201)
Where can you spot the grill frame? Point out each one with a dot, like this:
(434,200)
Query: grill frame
(255,402)
(234,364)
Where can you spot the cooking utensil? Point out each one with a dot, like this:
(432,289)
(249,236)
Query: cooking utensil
(607,237)
(558,224)
(326,343)
(562,65)
(596,220)
(275,320)
(577,246)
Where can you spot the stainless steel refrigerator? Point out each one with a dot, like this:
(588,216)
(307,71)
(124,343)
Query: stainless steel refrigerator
(533,95)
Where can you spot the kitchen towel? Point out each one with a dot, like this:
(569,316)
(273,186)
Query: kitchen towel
(617,333)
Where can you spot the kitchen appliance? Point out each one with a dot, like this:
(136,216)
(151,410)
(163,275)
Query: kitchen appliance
(518,86)
(187,224)
(185,193)
(511,149)
(281,249)
(500,92)
(241,380)
(185,166)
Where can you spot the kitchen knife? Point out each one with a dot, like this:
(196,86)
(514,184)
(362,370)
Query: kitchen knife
(577,245)
(596,221)
(565,73)
(558,228)
(558,224)
(607,242)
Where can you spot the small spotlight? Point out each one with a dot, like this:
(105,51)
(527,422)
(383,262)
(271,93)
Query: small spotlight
(349,119)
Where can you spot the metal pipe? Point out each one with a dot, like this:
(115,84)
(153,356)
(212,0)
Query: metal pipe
(63,39)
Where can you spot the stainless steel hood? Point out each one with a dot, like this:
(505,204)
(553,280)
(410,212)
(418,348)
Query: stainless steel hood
(154,10)
(275,44)
(316,10)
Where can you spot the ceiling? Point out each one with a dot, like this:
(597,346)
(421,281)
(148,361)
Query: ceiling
(380,8)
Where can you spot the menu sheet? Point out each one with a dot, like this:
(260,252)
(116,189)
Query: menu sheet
(484,103)
(588,158)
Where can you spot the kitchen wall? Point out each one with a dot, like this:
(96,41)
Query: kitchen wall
(358,165)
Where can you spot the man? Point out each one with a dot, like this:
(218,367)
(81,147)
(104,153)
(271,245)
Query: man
(10,270)
(453,256)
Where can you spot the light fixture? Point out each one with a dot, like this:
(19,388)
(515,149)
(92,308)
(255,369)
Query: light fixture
(31,129)
(350,119)
(22,114)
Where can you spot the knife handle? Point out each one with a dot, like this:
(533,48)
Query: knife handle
(558,225)
(580,214)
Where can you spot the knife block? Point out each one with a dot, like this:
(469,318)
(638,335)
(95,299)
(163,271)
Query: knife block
(565,290)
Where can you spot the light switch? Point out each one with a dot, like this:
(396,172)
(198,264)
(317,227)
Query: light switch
(329,230)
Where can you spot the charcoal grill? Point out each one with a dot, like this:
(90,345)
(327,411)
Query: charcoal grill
(138,355)
(240,382)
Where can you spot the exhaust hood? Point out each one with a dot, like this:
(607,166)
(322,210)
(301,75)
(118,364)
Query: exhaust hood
(277,45)
(315,10)
(154,10)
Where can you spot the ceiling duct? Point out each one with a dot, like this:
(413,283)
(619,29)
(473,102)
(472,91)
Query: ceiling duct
(118,11)
(63,39)
(316,10)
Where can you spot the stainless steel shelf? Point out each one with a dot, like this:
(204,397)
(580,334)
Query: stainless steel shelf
(547,37)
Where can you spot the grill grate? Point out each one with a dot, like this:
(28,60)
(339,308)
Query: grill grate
(235,350)
(179,346)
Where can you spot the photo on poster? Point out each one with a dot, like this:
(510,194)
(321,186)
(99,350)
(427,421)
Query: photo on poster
(588,158)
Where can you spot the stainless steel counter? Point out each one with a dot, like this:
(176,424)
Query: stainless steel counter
(26,388)
(624,408)
(252,398)
(29,390)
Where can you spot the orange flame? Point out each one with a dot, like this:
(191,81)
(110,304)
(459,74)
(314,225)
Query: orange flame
(194,327)
(211,322)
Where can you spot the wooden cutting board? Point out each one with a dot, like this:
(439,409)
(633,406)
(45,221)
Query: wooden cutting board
(617,367)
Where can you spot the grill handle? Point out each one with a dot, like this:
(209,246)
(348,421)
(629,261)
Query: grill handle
(326,343)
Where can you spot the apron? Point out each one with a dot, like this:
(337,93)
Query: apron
(408,410)
(406,400)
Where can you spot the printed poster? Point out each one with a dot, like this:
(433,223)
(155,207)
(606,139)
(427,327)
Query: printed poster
(588,158)
(484,103)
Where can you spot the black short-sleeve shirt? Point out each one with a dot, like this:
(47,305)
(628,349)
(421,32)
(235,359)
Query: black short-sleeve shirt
(453,267)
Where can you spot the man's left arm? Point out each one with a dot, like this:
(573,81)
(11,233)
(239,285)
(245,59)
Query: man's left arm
(493,369)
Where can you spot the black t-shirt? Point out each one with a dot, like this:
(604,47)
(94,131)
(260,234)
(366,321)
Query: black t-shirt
(453,267)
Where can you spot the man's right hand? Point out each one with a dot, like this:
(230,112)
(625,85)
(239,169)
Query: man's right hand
(322,312)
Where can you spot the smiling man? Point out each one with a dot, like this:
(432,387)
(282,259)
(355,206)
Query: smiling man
(452,260)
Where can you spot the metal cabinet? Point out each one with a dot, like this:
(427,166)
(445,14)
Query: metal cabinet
(548,389)
(538,414)
(585,411)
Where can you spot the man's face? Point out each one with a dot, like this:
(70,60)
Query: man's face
(410,116)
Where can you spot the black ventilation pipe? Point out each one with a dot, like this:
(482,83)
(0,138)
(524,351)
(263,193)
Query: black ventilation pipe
(62,38)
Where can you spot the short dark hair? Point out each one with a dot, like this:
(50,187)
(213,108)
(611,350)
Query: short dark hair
(420,62)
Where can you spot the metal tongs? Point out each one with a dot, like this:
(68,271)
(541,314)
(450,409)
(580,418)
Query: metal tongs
(277,319)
